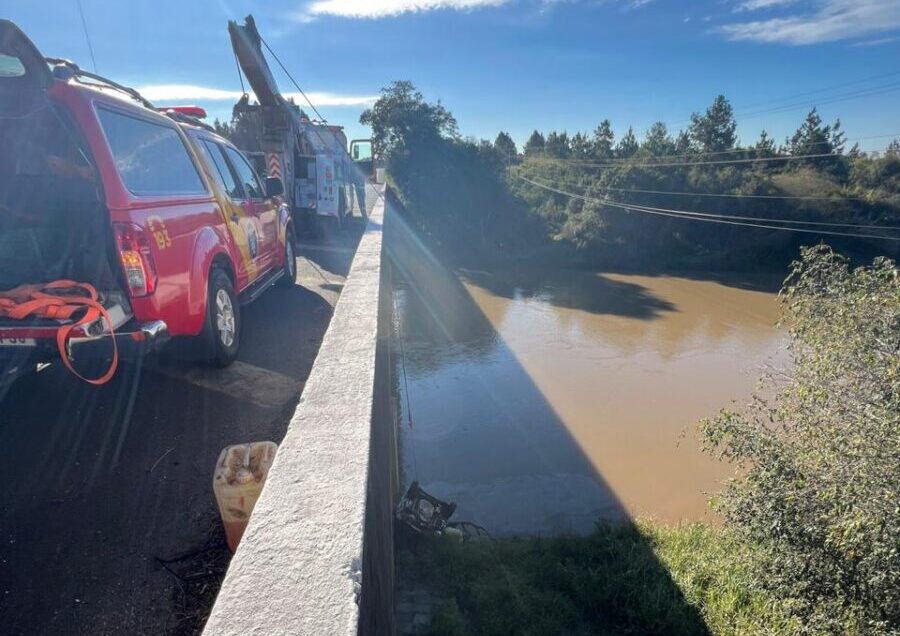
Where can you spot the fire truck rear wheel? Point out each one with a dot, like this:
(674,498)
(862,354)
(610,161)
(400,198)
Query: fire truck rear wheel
(222,331)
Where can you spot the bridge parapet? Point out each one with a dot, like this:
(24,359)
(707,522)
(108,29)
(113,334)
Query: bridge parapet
(317,555)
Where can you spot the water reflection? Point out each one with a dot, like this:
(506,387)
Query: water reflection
(542,400)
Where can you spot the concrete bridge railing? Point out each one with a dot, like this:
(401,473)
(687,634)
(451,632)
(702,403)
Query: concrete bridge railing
(317,556)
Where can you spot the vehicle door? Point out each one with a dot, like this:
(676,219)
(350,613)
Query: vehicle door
(264,211)
(240,226)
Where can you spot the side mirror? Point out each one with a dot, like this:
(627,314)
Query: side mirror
(274,187)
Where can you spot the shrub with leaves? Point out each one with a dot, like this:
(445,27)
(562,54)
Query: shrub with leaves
(819,484)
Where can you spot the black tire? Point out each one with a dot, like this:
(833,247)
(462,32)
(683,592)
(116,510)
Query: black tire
(342,210)
(222,343)
(289,279)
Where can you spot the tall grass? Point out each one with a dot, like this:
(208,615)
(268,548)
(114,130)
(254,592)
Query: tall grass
(621,579)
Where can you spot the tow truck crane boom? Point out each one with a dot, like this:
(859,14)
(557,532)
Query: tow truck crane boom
(311,158)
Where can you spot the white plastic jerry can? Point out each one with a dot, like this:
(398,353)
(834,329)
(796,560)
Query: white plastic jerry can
(240,474)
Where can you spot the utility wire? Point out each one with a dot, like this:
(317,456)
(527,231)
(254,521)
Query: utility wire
(610,164)
(699,216)
(869,92)
(746,107)
(821,90)
(737,196)
(237,65)
(293,81)
(87,36)
(747,149)
(311,105)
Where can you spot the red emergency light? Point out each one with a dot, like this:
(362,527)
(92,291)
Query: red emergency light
(190,111)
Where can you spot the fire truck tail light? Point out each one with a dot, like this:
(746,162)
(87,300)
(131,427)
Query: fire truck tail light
(137,258)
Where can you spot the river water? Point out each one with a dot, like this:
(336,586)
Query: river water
(542,401)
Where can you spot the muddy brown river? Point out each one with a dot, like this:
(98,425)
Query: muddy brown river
(543,401)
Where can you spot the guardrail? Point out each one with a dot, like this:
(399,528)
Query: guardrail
(317,556)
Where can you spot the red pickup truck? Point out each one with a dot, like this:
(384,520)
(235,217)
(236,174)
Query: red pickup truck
(165,219)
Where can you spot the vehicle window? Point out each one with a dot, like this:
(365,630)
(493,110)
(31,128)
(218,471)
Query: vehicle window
(151,158)
(11,66)
(246,174)
(213,154)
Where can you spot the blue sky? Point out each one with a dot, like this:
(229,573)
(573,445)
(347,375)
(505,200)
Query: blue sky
(513,65)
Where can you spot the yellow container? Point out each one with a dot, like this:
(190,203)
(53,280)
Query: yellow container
(241,472)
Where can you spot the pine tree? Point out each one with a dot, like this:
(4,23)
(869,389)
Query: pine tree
(505,146)
(535,144)
(683,143)
(892,151)
(602,141)
(765,147)
(714,131)
(580,147)
(812,137)
(628,146)
(658,142)
(557,145)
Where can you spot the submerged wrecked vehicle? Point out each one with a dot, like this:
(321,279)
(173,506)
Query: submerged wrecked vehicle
(122,225)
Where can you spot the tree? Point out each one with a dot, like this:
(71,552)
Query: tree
(535,144)
(811,137)
(602,141)
(818,490)
(658,142)
(714,131)
(683,143)
(580,147)
(627,146)
(401,116)
(557,145)
(892,151)
(765,147)
(506,146)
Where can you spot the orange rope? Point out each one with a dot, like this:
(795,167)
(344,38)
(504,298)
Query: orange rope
(60,300)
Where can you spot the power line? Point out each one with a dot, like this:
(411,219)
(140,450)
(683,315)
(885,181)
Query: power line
(823,90)
(706,218)
(747,107)
(869,92)
(746,149)
(695,163)
(737,196)
(87,36)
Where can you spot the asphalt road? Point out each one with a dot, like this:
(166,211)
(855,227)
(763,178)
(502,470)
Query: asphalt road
(108,523)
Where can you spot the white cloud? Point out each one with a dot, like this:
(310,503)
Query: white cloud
(876,42)
(756,5)
(386,8)
(192,93)
(830,20)
(374,9)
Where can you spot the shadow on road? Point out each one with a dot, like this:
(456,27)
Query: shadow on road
(108,523)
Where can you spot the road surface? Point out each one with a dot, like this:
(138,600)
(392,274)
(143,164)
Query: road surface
(107,519)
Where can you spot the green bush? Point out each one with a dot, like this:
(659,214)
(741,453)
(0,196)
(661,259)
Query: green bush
(819,485)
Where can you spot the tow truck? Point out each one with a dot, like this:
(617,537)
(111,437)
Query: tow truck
(321,178)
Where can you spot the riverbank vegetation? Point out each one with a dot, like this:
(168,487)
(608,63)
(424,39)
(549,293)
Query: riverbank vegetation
(626,578)
(810,541)
(476,199)
(810,534)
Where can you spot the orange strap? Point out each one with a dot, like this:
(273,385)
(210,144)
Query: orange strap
(60,300)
